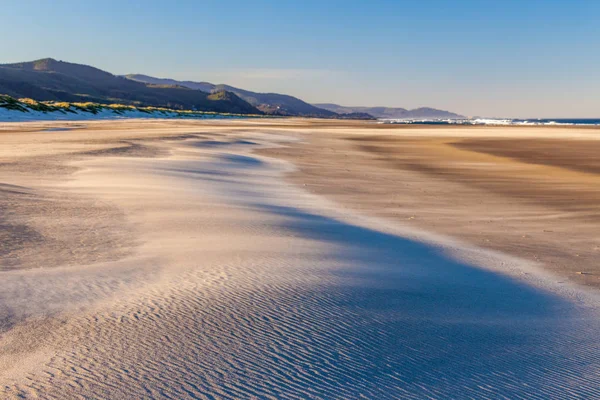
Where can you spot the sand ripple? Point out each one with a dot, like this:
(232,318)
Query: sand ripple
(248,290)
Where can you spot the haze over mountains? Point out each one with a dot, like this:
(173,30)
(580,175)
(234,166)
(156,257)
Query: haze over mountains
(393,112)
(280,104)
(51,80)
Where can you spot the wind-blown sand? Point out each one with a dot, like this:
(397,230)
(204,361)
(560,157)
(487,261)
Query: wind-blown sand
(174,260)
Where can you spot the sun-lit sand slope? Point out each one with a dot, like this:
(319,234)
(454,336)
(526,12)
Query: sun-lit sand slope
(198,272)
(530,192)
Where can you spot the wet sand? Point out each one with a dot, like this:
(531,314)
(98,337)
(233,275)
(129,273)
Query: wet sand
(530,192)
(176,260)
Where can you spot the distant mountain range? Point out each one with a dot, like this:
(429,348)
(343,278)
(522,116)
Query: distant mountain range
(59,81)
(269,103)
(393,113)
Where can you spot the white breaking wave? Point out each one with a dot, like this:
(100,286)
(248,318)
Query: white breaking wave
(495,121)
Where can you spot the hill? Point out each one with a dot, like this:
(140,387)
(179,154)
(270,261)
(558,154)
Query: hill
(52,80)
(269,103)
(204,86)
(393,113)
(59,81)
(12,109)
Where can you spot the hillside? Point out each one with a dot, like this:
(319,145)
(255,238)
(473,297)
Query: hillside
(51,80)
(269,103)
(204,86)
(393,113)
(12,109)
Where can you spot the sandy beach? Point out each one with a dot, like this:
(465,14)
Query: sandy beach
(294,259)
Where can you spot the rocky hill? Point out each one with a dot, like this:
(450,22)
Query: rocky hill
(52,80)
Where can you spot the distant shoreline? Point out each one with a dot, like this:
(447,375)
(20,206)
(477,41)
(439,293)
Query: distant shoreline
(498,121)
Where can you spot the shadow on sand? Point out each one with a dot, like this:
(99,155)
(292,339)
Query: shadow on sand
(412,322)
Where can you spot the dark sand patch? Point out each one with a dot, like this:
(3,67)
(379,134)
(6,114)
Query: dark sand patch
(538,199)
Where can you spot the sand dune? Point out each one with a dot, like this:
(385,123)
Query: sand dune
(215,278)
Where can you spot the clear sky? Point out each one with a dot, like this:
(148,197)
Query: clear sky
(526,58)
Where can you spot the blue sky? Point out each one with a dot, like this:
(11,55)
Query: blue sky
(492,58)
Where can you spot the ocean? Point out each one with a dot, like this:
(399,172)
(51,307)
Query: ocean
(499,121)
